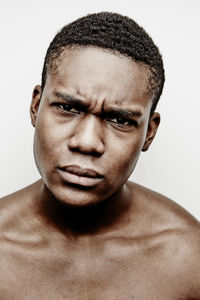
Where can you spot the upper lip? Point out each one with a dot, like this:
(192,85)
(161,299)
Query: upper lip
(79,171)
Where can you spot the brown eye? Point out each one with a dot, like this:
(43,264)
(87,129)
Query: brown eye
(68,108)
(120,121)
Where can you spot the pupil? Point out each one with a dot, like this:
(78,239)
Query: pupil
(120,120)
(66,107)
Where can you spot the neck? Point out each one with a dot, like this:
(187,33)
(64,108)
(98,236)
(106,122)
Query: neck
(74,220)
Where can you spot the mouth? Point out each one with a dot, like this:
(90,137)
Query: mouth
(79,176)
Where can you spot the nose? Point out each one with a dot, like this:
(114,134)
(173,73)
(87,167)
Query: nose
(87,136)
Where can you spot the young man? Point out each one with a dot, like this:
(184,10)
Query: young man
(83,231)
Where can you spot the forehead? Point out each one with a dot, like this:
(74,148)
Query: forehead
(96,74)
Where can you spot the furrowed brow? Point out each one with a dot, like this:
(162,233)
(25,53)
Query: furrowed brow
(120,112)
(72,100)
(116,112)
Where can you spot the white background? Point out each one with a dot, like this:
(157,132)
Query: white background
(172,165)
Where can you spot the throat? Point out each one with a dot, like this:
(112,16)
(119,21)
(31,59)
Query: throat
(75,220)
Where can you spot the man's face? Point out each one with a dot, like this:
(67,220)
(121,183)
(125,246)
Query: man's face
(91,123)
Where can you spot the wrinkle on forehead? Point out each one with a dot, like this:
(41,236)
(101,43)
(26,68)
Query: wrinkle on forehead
(101,77)
(101,104)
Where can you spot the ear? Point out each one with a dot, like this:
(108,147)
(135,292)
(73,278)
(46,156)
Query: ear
(154,122)
(36,97)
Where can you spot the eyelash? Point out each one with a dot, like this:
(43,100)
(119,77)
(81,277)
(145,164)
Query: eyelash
(120,121)
(68,108)
(116,121)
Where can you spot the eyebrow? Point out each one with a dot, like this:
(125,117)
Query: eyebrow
(124,112)
(72,100)
(118,112)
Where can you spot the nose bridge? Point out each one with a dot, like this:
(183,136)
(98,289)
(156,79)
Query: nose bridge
(88,135)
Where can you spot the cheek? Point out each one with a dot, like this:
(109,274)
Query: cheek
(124,154)
(47,142)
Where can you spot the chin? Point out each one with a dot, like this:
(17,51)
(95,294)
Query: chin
(75,196)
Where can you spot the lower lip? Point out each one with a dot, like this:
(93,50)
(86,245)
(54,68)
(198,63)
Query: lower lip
(79,180)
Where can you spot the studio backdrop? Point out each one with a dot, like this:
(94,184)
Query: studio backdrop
(172,164)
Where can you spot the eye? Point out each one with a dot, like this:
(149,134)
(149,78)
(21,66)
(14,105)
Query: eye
(122,121)
(67,108)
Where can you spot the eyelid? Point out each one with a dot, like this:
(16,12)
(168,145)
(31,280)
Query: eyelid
(72,108)
(105,116)
(131,122)
(69,100)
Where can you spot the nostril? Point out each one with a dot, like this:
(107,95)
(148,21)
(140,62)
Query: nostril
(86,152)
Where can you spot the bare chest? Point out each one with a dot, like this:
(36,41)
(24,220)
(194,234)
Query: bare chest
(108,270)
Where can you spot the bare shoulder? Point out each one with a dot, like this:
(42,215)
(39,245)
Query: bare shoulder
(162,209)
(13,203)
(16,212)
(10,205)
(177,231)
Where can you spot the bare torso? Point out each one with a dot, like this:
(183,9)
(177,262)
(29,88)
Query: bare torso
(151,252)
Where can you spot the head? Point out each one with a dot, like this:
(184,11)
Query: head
(118,34)
(95,109)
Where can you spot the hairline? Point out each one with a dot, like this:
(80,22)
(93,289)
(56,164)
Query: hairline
(54,63)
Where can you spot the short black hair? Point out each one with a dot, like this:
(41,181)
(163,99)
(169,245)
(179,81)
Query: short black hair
(117,33)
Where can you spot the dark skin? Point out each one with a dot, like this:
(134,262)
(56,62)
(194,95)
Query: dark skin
(83,231)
